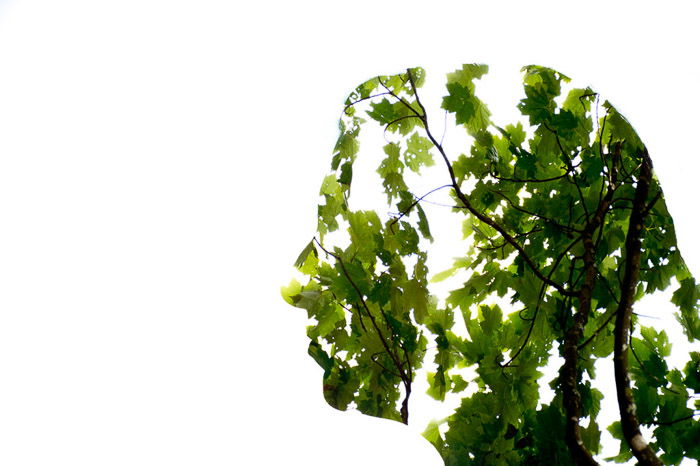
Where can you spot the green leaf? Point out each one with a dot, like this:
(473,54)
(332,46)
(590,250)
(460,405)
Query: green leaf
(417,296)
(309,249)
(391,171)
(383,112)
(458,383)
(692,370)
(591,437)
(460,102)
(492,319)
(347,146)
(579,101)
(437,385)
(321,357)
(467,74)
(647,402)
(418,153)
(423,226)
(620,129)
(346,173)
(432,434)
(330,185)
(686,297)
(291,290)
(444,275)
(564,121)
(418,75)
(537,104)
(625,454)
(339,387)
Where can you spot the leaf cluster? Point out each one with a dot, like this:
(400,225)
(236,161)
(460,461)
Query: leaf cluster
(565,227)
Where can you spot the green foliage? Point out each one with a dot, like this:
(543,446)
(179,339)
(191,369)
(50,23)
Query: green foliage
(551,256)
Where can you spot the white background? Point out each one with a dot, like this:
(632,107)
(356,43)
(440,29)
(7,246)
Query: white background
(159,165)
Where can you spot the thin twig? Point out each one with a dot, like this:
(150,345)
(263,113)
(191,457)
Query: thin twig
(366,307)
(345,110)
(535,214)
(529,180)
(413,204)
(668,423)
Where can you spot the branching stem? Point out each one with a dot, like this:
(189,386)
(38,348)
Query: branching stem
(406,379)
(468,205)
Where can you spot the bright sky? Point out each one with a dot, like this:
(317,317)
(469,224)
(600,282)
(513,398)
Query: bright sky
(159,165)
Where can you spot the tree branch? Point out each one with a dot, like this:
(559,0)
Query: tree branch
(668,423)
(535,214)
(409,106)
(405,379)
(484,218)
(529,180)
(413,204)
(502,245)
(570,171)
(345,110)
(393,122)
(373,358)
(539,301)
(633,246)
(569,370)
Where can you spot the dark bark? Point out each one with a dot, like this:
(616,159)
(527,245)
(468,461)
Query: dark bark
(569,371)
(633,249)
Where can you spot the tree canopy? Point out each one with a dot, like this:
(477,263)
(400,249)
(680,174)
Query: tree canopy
(565,228)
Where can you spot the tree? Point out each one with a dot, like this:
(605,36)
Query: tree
(567,228)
